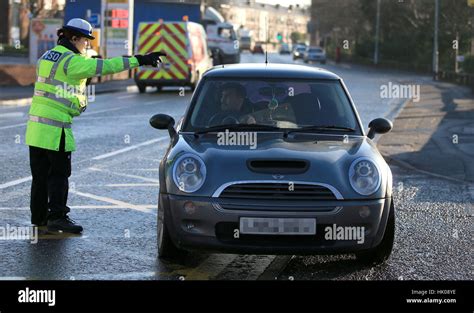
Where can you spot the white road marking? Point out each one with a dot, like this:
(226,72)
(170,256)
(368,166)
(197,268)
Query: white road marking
(87,207)
(12,126)
(117,276)
(124,175)
(146,143)
(15,182)
(12,114)
(77,120)
(155,102)
(126,97)
(213,265)
(141,169)
(112,201)
(13,278)
(100,111)
(99,157)
(132,185)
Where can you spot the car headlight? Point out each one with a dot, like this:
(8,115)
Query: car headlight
(189,173)
(364,176)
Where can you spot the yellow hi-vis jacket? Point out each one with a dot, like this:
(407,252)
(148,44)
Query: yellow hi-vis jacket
(60,94)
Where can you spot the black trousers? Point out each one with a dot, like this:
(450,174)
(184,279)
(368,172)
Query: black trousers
(49,188)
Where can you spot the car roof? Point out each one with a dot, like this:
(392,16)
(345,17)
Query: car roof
(271,70)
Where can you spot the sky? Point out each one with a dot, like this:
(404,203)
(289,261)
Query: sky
(287,2)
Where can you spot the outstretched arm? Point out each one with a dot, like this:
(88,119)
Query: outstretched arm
(80,67)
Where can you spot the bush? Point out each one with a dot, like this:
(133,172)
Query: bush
(468,64)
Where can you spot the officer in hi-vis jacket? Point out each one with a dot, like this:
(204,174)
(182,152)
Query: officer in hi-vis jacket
(59,96)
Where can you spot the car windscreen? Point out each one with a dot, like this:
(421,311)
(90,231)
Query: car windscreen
(285,104)
(315,50)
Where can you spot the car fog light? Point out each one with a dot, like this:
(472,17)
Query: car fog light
(364,212)
(189,207)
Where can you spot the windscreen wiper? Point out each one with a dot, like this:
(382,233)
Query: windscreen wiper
(232,127)
(321,128)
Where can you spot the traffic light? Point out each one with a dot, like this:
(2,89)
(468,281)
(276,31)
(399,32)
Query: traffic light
(279,37)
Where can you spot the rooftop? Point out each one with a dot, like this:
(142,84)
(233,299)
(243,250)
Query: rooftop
(270,70)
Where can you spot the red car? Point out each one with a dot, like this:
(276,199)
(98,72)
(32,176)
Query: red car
(258,48)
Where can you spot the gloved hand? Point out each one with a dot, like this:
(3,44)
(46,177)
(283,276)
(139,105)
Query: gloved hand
(150,58)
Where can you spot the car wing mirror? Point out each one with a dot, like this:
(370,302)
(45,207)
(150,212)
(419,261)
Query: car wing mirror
(379,126)
(163,121)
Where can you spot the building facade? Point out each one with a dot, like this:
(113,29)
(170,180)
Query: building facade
(254,16)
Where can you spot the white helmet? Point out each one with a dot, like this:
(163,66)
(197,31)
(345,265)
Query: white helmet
(80,27)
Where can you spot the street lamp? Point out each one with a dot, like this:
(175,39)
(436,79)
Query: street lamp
(377,28)
(435,42)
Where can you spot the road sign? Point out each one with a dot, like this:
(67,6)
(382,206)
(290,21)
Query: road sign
(94,19)
(118,25)
(43,36)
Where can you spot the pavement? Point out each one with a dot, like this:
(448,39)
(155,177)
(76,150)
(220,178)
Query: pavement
(435,135)
(114,186)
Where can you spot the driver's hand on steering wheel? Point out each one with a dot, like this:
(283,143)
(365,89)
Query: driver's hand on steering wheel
(248,119)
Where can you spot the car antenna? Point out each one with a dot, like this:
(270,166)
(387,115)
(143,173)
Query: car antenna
(266,40)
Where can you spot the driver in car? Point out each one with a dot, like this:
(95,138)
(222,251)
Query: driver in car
(233,108)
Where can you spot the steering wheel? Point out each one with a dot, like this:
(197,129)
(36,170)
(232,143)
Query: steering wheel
(222,118)
(230,119)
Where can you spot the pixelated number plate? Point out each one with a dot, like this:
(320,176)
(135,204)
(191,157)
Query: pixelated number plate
(277,226)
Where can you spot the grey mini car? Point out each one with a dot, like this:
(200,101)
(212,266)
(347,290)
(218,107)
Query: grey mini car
(273,159)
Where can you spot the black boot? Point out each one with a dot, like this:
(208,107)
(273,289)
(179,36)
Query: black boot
(64,224)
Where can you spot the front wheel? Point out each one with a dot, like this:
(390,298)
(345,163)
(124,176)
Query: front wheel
(141,88)
(381,253)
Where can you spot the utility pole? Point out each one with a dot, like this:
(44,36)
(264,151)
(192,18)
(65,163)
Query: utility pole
(435,42)
(377,30)
(456,65)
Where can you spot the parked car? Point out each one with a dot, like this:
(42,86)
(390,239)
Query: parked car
(188,55)
(309,171)
(258,48)
(298,52)
(314,54)
(246,43)
(284,49)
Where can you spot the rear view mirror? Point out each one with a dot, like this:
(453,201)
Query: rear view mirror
(379,126)
(163,121)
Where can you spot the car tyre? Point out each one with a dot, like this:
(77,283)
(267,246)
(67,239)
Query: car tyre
(381,253)
(166,247)
(141,88)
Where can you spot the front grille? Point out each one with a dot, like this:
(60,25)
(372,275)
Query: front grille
(278,191)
